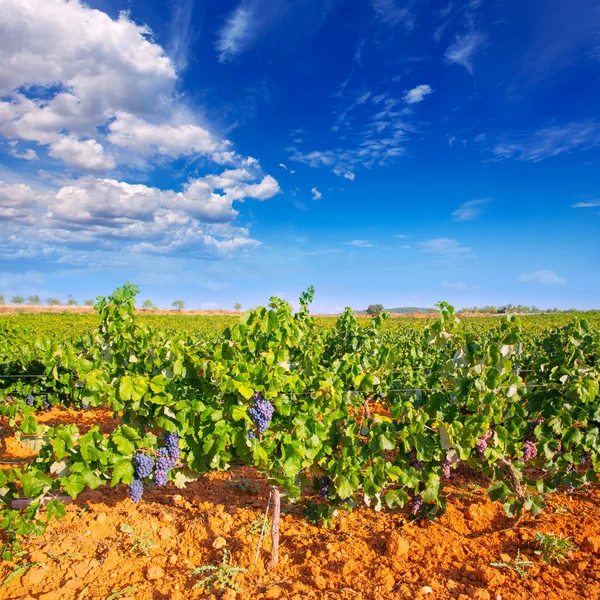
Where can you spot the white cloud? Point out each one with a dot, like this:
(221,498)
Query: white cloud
(463,49)
(237,32)
(391,13)
(400,236)
(481,137)
(87,155)
(590,204)
(283,166)
(171,140)
(451,140)
(105,213)
(323,252)
(360,244)
(543,276)
(470,210)
(457,286)
(549,141)
(29,154)
(446,247)
(350,175)
(417,94)
(316,194)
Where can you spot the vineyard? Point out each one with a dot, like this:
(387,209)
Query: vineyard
(388,445)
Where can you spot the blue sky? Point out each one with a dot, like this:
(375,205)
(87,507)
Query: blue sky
(398,152)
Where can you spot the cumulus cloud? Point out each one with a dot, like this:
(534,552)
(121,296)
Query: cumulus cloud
(446,247)
(462,51)
(470,210)
(86,155)
(316,194)
(544,276)
(29,154)
(106,213)
(417,94)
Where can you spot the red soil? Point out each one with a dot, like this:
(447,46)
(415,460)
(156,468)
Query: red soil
(365,555)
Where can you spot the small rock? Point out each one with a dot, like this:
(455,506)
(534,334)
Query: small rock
(273,592)
(219,543)
(426,590)
(176,595)
(591,544)
(73,584)
(101,518)
(164,533)
(173,559)
(229,594)
(154,573)
(505,558)
(35,576)
(396,547)
(479,594)
(320,582)
(165,517)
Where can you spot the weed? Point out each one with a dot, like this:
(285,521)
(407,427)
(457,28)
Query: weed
(553,547)
(117,593)
(20,569)
(221,576)
(518,565)
(139,543)
(257,524)
(244,485)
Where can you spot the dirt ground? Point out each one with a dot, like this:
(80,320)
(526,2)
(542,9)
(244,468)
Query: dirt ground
(365,555)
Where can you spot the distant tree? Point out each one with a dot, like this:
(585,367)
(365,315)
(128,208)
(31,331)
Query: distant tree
(17,300)
(2,301)
(53,302)
(375,310)
(71,301)
(33,299)
(88,302)
(178,304)
(237,306)
(148,304)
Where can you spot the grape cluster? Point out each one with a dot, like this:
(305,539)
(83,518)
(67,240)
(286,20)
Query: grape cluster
(30,400)
(530,451)
(136,491)
(570,489)
(164,464)
(324,481)
(143,465)
(251,435)
(416,504)
(570,468)
(172,443)
(417,464)
(482,442)
(446,464)
(46,403)
(261,413)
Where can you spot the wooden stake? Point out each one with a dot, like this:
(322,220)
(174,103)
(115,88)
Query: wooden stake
(275,528)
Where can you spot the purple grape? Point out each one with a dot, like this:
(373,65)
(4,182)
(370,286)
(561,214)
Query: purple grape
(482,443)
(446,464)
(324,481)
(161,478)
(530,451)
(172,442)
(251,435)
(416,504)
(143,465)
(417,464)
(570,489)
(261,413)
(30,400)
(570,468)
(46,403)
(136,491)
(164,461)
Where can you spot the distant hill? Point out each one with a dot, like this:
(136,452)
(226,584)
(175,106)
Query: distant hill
(403,310)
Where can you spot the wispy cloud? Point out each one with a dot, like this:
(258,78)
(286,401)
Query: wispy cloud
(417,94)
(283,166)
(457,286)
(324,252)
(400,236)
(590,204)
(316,194)
(360,244)
(180,32)
(470,210)
(446,247)
(451,140)
(544,276)
(463,49)
(549,141)
(391,13)
(237,33)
